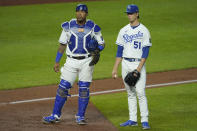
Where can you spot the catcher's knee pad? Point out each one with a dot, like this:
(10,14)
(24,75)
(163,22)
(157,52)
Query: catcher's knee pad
(84,89)
(64,86)
(83,84)
(62,92)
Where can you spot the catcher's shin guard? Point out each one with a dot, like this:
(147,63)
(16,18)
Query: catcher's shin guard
(61,97)
(83,98)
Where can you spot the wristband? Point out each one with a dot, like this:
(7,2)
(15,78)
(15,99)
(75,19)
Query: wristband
(58,57)
(100,47)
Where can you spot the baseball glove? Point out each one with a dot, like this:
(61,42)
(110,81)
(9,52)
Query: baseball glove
(96,55)
(92,47)
(132,78)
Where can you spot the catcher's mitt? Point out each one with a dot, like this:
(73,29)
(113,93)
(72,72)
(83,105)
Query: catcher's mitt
(92,47)
(96,55)
(132,78)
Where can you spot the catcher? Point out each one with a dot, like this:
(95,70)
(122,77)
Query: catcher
(82,40)
(133,48)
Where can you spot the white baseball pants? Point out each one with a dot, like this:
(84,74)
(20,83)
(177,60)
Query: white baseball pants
(73,68)
(134,92)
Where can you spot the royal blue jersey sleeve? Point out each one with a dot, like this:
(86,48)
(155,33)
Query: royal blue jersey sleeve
(119,51)
(145,51)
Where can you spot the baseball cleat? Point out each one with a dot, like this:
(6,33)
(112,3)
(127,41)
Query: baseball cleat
(81,120)
(76,116)
(129,123)
(145,125)
(51,119)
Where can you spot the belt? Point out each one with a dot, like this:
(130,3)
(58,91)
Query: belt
(132,59)
(79,57)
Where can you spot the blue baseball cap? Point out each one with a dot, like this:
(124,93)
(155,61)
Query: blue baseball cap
(82,7)
(132,9)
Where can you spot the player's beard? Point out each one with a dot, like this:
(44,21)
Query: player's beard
(81,20)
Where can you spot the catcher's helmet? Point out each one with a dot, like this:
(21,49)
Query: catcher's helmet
(132,9)
(82,7)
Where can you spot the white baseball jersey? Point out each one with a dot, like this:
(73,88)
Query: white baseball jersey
(133,40)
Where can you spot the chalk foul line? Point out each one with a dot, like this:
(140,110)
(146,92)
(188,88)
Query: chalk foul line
(99,92)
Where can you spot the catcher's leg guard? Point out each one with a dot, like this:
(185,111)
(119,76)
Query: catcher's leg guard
(83,98)
(61,96)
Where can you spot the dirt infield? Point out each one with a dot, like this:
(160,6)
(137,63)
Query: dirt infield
(27,116)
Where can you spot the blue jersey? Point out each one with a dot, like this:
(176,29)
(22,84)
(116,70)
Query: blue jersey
(77,37)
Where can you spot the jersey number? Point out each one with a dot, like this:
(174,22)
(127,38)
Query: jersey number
(137,45)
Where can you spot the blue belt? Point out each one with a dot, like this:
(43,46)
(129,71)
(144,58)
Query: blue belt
(132,59)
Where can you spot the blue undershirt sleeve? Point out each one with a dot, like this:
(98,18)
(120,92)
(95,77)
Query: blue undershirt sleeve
(145,51)
(58,57)
(119,51)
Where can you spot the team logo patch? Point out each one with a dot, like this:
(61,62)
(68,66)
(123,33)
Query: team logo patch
(80,29)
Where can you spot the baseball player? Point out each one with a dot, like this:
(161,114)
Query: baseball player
(83,41)
(133,43)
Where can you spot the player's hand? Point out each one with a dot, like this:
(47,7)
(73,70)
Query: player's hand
(56,67)
(114,74)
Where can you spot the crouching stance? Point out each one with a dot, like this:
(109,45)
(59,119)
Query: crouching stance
(83,42)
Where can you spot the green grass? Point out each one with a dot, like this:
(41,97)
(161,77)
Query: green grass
(29,38)
(171,108)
